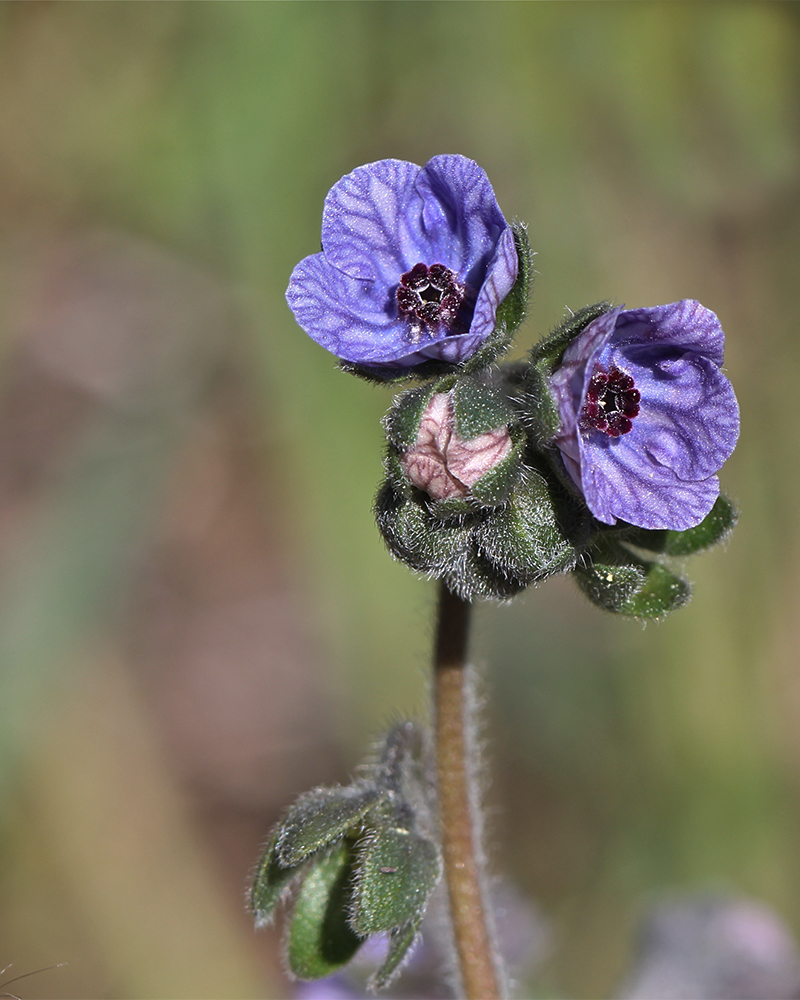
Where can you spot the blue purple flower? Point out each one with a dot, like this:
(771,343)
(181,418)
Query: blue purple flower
(414,264)
(647,417)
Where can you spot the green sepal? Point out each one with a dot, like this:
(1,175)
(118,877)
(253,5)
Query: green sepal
(619,581)
(479,578)
(415,537)
(393,466)
(714,528)
(453,510)
(321,816)
(494,486)
(397,870)
(541,415)
(478,408)
(320,938)
(511,311)
(523,540)
(550,349)
(440,547)
(382,375)
(402,421)
(401,942)
(271,883)
(485,551)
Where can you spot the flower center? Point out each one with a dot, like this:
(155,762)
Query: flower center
(427,296)
(611,403)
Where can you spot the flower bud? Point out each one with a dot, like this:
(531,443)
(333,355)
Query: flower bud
(441,462)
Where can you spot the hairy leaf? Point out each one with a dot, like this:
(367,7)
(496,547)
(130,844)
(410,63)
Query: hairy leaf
(397,871)
(320,939)
(320,816)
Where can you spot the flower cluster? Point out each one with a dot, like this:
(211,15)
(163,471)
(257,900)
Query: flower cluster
(606,442)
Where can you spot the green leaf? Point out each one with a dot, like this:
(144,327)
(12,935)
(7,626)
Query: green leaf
(609,586)
(271,883)
(620,582)
(320,816)
(714,528)
(397,871)
(662,592)
(320,939)
(401,943)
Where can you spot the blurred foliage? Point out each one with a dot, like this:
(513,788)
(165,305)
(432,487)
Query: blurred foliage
(653,149)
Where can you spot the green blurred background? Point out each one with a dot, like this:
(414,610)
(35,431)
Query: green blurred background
(198,619)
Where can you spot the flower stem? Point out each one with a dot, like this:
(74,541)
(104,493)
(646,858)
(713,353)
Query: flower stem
(458,805)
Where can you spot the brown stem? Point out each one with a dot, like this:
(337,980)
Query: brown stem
(458,802)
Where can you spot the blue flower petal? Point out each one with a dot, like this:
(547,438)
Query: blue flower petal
(502,273)
(381,220)
(344,315)
(619,484)
(661,473)
(571,379)
(685,324)
(688,419)
(371,222)
(461,218)
(453,350)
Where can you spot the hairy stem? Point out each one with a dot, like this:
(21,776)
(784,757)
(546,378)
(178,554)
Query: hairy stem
(458,802)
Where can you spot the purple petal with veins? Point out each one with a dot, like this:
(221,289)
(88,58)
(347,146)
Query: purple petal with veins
(656,468)
(379,223)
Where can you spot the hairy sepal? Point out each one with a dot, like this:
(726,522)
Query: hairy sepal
(537,403)
(396,872)
(512,310)
(401,944)
(272,883)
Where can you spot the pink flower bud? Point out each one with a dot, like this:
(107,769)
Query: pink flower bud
(445,465)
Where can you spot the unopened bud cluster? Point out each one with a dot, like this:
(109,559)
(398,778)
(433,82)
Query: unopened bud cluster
(355,860)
